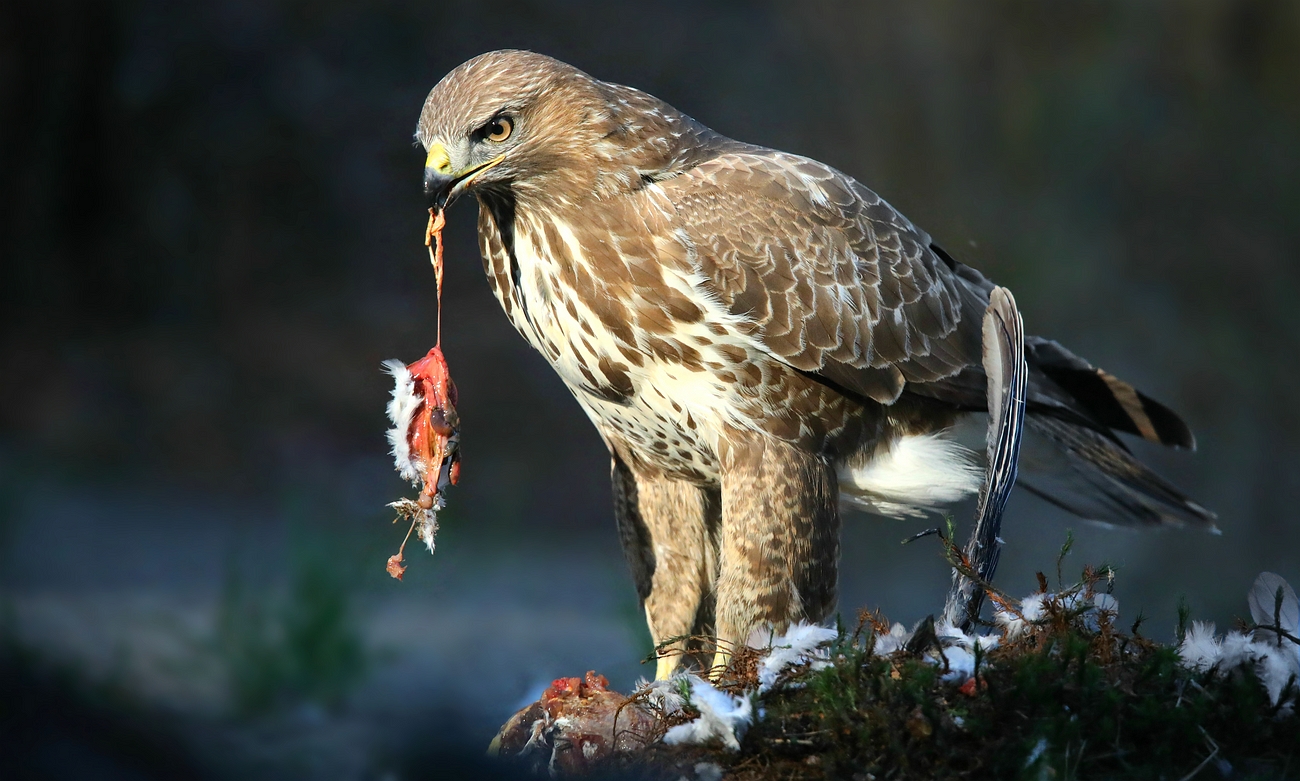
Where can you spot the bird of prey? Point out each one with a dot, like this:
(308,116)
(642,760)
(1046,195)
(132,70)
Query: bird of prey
(758,338)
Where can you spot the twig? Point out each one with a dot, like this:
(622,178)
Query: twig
(922,535)
(1205,761)
(405,508)
(395,567)
(1281,633)
(963,566)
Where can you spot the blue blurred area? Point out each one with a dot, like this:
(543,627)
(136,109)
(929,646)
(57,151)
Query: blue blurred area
(211,232)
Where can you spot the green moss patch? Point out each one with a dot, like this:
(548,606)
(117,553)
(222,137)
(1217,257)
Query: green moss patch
(1074,697)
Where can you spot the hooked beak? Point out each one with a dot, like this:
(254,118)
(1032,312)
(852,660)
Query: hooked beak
(442,185)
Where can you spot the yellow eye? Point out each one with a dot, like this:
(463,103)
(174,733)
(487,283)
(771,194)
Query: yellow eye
(499,129)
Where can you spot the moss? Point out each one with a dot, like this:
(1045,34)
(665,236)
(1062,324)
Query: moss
(1069,701)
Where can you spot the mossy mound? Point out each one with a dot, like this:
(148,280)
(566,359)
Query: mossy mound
(1072,697)
(1067,704)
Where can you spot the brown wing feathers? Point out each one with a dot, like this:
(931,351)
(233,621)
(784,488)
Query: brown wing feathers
(843,288)
(837,282)
(855,293)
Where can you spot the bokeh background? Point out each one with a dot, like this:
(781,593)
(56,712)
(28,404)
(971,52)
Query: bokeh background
(211,235)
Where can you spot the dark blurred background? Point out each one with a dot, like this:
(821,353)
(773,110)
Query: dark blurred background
(211,231)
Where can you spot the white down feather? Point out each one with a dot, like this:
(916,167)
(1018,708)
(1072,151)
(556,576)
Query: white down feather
(917,473)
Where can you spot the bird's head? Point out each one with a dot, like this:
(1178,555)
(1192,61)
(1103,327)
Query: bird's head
(542,129)
(510,119)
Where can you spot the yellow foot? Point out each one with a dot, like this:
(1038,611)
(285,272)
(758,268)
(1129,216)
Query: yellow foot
(665,666)
(720,661)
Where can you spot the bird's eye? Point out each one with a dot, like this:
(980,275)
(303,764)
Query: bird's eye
(498,130)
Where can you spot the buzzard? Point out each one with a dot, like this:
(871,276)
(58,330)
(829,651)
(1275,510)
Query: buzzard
(758,338)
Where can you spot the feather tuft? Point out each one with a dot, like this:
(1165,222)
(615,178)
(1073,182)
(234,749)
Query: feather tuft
(401,411)
(723,717)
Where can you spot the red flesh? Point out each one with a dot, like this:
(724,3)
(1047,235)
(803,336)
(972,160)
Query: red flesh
(436,421)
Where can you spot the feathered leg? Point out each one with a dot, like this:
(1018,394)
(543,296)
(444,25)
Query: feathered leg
(668,529)
(779,550)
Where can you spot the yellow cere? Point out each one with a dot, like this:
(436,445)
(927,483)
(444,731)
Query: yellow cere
(438,159)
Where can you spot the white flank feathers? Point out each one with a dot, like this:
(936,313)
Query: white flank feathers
(401,410)
(723,717)
(917,473)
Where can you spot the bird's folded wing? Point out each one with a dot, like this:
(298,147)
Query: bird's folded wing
(836,281)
